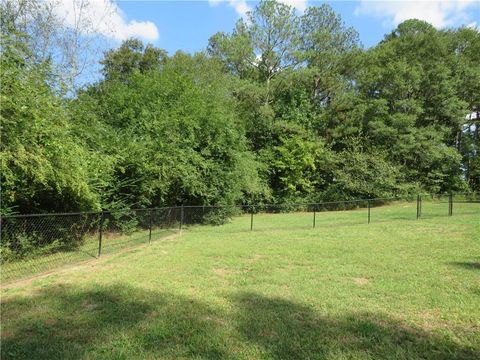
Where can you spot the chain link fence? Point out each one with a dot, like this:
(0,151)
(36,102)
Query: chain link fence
(33,244)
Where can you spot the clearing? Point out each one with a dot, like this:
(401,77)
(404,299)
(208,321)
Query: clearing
(396,289)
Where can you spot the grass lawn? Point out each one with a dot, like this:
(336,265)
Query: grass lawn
(397,288)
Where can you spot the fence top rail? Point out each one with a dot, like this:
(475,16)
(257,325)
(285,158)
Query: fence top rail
(251,206)
(129,211)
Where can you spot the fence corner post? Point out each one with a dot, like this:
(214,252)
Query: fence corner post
(100,236)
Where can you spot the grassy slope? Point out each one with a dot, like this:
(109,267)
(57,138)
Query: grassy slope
(394,289)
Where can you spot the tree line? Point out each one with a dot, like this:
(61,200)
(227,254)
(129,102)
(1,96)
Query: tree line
(286,107)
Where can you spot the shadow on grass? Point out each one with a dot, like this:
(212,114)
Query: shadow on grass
(64,322)
(466,265)
(286,330)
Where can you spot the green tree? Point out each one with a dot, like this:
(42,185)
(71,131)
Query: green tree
(465,44)
(289,69)
(175,138)
(43,167)
(411,106)
(131,56)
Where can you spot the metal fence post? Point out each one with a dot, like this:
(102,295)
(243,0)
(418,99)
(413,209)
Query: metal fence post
(251,218)
(368,205)
(181,217)
(450,204)
(100,234)
(419,206)
(314,214)
(150,226)
(420,213)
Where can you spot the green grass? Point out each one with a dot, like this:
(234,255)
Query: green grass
(397,288)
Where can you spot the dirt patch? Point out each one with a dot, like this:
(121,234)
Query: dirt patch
(152,315)
(5,334)
(360,281)
(255,258)
(36,292)
(222,271)
(429,315)
(431,320)
(89,306)
(218,321)
(50,322)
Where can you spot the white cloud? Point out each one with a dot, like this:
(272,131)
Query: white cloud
(103,17)
(439,13)
(300,5)
(242,7)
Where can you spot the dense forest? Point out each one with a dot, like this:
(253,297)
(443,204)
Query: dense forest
(286,107)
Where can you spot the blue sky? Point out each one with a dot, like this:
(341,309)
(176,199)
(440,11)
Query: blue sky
(187,25)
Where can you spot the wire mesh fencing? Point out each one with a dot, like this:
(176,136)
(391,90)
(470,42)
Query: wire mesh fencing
(32,244)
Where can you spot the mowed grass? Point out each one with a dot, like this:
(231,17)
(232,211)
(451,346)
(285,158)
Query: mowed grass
(397,288)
